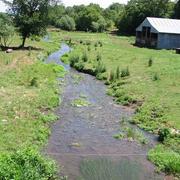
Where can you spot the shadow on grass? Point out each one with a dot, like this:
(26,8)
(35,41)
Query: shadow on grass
(27,48)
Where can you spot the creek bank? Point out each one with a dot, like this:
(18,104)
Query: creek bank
(86,132)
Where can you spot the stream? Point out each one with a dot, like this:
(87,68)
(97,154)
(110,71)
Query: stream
(82,139)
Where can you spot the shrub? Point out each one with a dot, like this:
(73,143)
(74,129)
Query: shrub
(96,45)
(125,72)
(26,164)
(150,62)
(165,159)
(34,82)
(66,23)
(73,59)
(7,31)
(79,66)
(156,77)
(100,68)
(95,27)
(163,134)
(98,57)
(100,43)
(85,57)
(89,48)
(112,76)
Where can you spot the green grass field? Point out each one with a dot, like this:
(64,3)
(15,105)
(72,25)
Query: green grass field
(29,92)
(163,93)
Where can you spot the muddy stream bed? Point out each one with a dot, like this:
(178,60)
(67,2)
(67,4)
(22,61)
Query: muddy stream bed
(82,139)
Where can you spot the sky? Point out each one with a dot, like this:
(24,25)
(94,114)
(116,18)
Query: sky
(102,3)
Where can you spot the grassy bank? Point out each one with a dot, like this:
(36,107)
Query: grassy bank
(142,78)
(28,94)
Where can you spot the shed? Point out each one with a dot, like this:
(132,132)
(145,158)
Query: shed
(160,33)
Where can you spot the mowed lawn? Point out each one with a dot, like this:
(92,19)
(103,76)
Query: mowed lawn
(120,51)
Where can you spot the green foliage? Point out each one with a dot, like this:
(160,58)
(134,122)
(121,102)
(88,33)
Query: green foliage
(89,48)
(117,73)
(150,62)
(81,102)
(65,58)
(163,134)
(30,17)
(85,57)
(34,82)
(177,10)
(125,72)
(99,57)
(73,59)
(7,30)
(137,10)
(165,159)
(150,116)
(66,23)
(100,68)
(156,77)
(112,76)
(26,164)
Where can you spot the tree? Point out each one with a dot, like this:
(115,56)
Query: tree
(177,10)
(6,31)
(66,23)
(137,10)
(86,15)
(55,13)
(113,12)
(30,16)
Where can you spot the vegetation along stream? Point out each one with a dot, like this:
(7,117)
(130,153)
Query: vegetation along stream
(88,139)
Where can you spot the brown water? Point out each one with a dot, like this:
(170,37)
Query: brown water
(82,139)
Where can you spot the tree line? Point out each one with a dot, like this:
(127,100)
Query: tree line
(31,18)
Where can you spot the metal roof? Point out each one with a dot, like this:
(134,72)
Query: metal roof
(161,25)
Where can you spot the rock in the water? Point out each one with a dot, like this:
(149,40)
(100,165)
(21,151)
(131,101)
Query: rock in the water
(9,51)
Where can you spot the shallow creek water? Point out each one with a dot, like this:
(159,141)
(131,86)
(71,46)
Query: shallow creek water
(86,133)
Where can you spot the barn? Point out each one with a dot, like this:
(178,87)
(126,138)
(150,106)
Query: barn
(160,33)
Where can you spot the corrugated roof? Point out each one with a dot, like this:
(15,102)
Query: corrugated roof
(164,25)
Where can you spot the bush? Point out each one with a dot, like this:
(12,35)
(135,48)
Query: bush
(100,68)
(163,134)
(26,164)
(73,59)
(85,57)
(150,62)
(156,77)
(34,82)
(112,76)
(89,48)
(98,57)
(165,159)
(66,23)
(125,72)
(7,31)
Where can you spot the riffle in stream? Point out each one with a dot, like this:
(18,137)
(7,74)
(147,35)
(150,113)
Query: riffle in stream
(82,139)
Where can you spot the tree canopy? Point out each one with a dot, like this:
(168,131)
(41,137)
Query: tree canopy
(30,17)
(137,10)
(6,31)
(177,10)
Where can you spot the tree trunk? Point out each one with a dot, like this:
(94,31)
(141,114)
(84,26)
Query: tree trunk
(23,42)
